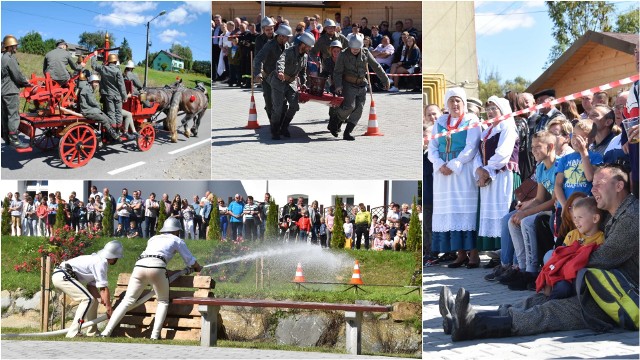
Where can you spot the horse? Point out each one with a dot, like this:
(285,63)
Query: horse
(174,98)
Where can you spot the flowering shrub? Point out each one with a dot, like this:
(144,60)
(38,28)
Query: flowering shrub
(64,244)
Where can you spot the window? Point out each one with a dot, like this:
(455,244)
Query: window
(348,199)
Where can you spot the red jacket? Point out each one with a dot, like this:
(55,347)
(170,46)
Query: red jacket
(304,223)
(564,264)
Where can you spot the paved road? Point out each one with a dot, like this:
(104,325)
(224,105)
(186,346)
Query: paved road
(12,349)
(312,152)
(487,295)
(121,161)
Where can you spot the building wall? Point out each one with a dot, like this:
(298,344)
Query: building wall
(375,12)
(159,60)
(449,37)
(601,66)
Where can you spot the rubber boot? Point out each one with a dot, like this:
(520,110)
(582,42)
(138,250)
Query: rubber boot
(469,324)
(284,128)
(14,140)
(347,132)
(446,306)
(333,126)
(113,135)
(161,315)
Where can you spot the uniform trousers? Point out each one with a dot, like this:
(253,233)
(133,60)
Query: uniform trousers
(354,98)
(10,116)
(87,307)
(281,117)
(112,106)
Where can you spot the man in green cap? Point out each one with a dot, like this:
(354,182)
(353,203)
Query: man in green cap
(265,61)
(56,61)
(12,81)
(350,77)
(292,63)
(112,90)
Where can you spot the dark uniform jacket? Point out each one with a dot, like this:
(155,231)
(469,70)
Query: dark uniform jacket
(292,64)
(261,41)
(111,80)
(12,78)
(267,58)
(55,63)
(323,43)
(355,67)
(87,100)
(131,76)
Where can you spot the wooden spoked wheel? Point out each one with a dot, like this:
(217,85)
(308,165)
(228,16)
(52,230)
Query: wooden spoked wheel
(147,136)
(48,139)
(77,145)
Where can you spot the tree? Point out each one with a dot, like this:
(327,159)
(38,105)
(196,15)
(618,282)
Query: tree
(271,226)
(202,67)
(107,217)
(414,236)
(629,22)
(49,45)
(162,216)
(6,218)
(125,53)
(491,84)
(164,66)
(185,53)
(215,233)
(572,19)
(60,218)
(32,44)
(337,236)
(95,40)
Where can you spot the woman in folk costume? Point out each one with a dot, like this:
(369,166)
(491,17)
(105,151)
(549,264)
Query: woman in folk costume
(455,192)
(494,167)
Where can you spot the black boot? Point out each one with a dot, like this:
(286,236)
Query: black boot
(347,132)
(14,140)
(113,135)
(333,126)
(446,306)
(469,324)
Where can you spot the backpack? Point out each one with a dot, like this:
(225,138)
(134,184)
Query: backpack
(613,293)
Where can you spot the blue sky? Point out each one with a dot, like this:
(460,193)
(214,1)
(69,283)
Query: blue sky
(514,37)
(186,23)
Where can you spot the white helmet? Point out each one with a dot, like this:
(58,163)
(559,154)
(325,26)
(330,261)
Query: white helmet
(130,65)
(94,77)
(111,250)
(307,38)
(284,30)
(266,21)
(170,225)
(336,43)
(329,22)
(356,42)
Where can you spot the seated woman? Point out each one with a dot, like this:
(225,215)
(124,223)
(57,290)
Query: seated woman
(383,53)
(409,60)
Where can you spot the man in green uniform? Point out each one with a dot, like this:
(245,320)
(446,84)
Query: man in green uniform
(350,76)
(112,90)
(265,63)
(89,107)
(328,65)
(12,81)
(266,26)
(137,84)
(56,61)
(328,36)
(291,65)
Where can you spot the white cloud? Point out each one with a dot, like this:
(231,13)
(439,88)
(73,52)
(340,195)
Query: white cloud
(533,4)
(132,6)
(198,6)
(171,36)
(491,24)
(121,19)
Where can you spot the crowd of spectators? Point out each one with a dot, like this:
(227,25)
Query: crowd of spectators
(397,50)
(513,188)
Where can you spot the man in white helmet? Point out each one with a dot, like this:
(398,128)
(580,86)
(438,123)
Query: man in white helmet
(350,77)
(151,268)
(135,81)
(84,279)
(264,64)
(291,65)
(328,37)
(12,81)
(266,26)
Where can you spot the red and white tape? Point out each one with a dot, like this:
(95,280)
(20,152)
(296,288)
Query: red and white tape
(418,74)
(573,96)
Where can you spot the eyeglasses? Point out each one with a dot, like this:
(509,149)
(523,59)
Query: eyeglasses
(492,108)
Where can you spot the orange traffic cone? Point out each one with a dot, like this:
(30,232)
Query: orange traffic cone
(299,277)
(355,278)
(253,116)
(373,129)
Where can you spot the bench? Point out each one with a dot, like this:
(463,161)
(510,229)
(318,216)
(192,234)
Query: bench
(182,321)
(210,308)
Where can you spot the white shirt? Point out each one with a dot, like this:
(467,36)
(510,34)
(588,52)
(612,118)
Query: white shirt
(167,245)
(387,50)
(90,269)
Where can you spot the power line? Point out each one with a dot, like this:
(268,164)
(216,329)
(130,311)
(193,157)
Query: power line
(514,13)
(99,13)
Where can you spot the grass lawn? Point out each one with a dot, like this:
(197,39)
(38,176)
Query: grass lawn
(30,63)
(238,280)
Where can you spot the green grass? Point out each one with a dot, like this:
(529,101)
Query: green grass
(377,267)
(30,63)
